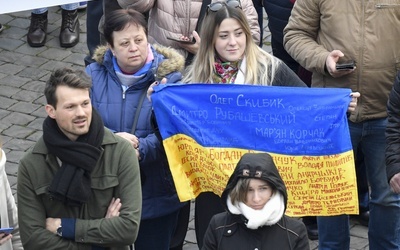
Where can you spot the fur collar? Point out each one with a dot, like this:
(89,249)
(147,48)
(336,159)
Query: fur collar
(173,60)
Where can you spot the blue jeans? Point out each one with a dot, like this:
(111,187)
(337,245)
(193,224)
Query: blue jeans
(362,182)
(71,6)
(156,233)
(384,222)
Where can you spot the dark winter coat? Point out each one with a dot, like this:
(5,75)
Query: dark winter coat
(278,12)
(393,130)
(228,231)
(35,204)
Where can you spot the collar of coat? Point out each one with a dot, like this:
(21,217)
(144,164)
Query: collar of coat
(173,60)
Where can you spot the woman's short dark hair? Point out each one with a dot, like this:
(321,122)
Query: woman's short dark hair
(117,20)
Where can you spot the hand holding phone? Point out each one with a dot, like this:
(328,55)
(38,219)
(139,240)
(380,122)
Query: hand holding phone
(6,230)
(180,40)
(346,65)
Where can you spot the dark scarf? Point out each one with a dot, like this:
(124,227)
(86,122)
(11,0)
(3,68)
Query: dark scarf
(72,182)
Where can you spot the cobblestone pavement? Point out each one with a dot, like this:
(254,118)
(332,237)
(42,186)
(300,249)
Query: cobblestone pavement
(23,72)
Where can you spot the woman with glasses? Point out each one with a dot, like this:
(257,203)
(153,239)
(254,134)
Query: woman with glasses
(228,54)
(255,200)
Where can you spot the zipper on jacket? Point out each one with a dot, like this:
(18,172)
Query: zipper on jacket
(386,5)
(123,94)
(122,122)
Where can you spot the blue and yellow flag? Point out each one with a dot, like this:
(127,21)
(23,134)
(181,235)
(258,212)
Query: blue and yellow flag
(206,128)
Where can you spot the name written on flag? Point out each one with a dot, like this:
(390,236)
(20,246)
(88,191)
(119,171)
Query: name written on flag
(206,128)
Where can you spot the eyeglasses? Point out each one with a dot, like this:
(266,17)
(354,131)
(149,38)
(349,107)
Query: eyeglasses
(214,7)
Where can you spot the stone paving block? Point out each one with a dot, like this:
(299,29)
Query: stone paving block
(359,230)
(5,103)
(20,132)
(45,77)
(32,61)
(55,54)
(9,44)
(80,48)
(5,139)
(14,156)
(76,58)
(18,119)
(40,113)
(357,243)
(313,244)
(191,237)
(27,97)
(11,68)
(11,168)
(8,91)
(12,180)
(28,50)
(25,14)
(53,29)
(17,148)
(3,113)
(14,81)
(53,41)
(24,107)
(22,23)
(35,136)
(10,56)
(33,73)
(5,18)
(17,33)
(36,124)
(37,86)
(54,64)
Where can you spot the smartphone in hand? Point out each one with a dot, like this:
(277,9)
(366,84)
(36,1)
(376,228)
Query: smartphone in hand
(6,230)
(349,65)
(181,41)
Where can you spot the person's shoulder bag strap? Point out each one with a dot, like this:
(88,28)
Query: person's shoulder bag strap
(137,113)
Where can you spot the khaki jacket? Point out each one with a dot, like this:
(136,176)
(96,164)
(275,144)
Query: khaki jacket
(365,31)
(8,208)
(115,175)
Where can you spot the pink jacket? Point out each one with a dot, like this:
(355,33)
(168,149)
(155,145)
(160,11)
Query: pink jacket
(175,18)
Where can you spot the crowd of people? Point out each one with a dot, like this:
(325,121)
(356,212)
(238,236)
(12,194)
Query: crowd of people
(99,178)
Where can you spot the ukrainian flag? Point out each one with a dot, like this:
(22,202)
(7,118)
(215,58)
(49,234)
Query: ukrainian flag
(206,128)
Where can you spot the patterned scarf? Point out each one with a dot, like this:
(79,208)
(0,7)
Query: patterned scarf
(225,72)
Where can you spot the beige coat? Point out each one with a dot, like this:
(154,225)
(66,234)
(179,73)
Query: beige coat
(8,209)
(366,31)
(175,18)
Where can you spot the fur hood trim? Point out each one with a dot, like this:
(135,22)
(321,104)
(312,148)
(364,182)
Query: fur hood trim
(173,60)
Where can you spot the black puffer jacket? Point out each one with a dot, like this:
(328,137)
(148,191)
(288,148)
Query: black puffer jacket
(228,231)
(393,130)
